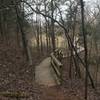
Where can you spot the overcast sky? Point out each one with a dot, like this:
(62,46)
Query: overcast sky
(88,3)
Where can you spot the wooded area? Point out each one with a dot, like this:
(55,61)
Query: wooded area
(65,30)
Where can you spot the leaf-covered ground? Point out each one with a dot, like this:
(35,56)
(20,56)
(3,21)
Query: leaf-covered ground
(16,76)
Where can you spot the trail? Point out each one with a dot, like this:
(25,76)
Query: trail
(44,74)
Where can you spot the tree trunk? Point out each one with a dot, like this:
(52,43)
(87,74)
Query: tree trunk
(22,32)
(52,26)
(85,47)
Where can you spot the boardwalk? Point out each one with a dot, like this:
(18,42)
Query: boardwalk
(44,74)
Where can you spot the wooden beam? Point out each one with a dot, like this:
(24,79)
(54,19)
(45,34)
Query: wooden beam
(55,69)
(57,62)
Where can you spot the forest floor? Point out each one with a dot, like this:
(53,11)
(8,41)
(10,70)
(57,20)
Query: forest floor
(17,76)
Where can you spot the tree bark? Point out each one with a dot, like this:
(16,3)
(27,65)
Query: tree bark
(85,47)
(52,26)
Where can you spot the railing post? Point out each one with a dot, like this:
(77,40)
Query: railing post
(56,65)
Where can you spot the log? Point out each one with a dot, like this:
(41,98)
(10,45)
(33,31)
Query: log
(14,94)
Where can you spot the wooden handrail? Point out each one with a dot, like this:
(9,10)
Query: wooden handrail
(57,66)
(57,62)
